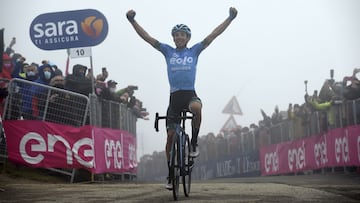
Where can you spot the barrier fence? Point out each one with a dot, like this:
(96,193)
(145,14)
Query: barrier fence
(325,139)
(235,154)
(110,121)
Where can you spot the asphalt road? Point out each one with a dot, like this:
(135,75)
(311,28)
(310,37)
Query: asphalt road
(303,188)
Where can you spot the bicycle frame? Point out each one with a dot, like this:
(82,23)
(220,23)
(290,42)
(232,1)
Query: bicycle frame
(180,163)
(180,138)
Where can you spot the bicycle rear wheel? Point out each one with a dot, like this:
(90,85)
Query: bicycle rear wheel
(174,168)
(188,163)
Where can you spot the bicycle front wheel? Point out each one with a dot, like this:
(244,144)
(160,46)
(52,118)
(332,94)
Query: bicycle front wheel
(188,164)
(174,168)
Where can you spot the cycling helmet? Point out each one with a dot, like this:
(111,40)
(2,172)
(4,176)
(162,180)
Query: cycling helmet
(181,27)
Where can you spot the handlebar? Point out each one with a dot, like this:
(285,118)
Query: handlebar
(157,118)
(183,117)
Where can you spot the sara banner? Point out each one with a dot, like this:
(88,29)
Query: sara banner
(338,147)
(68,29)
(48,145)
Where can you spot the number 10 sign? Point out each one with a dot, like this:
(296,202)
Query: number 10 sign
(80,52)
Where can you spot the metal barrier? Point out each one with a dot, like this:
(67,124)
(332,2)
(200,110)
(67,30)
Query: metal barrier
(115,115)
(245,145)
(29,100)
(3,153)
(33,101)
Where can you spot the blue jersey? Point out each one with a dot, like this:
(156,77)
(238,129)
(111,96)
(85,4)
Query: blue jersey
(181,66)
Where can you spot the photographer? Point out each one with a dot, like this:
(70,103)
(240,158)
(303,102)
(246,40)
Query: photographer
(109,92)
(126,93)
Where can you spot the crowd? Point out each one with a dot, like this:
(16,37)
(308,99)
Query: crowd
(81,80)
(335,105)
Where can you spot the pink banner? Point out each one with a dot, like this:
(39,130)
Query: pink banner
(338,147)
(115,151)
(44,144)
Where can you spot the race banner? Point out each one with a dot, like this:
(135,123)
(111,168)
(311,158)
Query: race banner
(115,151)
(338,147)
(236,165)
(43,144)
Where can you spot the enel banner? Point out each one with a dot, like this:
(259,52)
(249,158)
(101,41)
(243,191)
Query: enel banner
(44,144)
(337,147)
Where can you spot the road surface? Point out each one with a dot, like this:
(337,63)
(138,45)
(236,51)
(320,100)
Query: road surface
(327,188)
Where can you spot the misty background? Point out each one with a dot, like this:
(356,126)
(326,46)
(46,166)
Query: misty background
(262,58)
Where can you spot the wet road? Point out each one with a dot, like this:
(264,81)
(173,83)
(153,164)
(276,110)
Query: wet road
(303,188)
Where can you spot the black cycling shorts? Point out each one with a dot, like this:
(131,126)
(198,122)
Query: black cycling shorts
(179,101)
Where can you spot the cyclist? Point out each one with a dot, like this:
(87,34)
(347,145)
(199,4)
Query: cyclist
(181,69)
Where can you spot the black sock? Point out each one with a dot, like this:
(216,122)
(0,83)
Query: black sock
(195,133)
(168,178)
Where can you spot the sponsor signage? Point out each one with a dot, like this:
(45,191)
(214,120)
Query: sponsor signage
(42,144)
(337,148)
(68,29)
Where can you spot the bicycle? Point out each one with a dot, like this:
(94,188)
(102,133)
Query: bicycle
(181,163)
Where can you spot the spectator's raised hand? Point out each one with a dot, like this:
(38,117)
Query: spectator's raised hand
(12,42)
(232,13)
(130,15)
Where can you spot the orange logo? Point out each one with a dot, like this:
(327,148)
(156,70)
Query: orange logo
(92,26)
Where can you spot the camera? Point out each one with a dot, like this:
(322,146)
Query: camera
(133,87)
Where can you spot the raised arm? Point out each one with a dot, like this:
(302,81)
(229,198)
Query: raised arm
(220,28)
(141,32)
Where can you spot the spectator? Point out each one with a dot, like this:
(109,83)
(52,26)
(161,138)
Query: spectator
(128,98)
(124,97)
(5,77)
(352,90)
(56,70)
(58,81)
(139,111)
(290,112)
(9,50)
(59,110)
(330,90)
(103,76)
(266,119)
(276,117)
(39,96)
(78,82)
(110,116)
(3,95)
(7,69)
(129,89)
(31,74)
(19,68)
(221,144)
(46,73)
(109,92)
(326,113)
(298,118)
